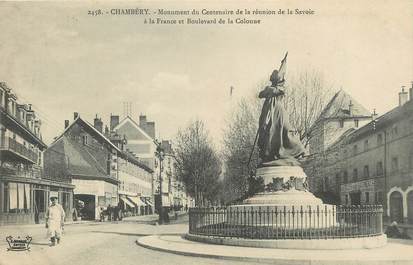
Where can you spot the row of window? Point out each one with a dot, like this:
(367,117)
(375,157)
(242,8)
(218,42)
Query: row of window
(21,114)
(133,187)
(5,134)
(124,166)
(134,170)
(356,198)
(366,170)
(26,198)
(379,140)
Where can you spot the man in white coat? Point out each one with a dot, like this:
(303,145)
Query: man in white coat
(55,217)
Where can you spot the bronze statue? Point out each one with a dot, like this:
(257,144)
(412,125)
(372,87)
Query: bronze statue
(277,144)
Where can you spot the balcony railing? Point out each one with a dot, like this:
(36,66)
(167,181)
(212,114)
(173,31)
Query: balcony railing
(280,223)
(20,172)
(22,151)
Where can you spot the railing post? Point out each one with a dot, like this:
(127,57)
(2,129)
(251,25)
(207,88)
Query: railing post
(380,219)
(309,222)
(301,221)
(268,221)
(276,222)
(259,225)
(318,222)
(284,214)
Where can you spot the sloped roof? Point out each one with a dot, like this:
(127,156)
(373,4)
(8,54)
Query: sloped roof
(343,137)
(338,107)
(383,121)
(81,162)
(90,127)
(139,130)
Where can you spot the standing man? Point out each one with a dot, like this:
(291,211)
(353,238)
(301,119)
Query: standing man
(55,217)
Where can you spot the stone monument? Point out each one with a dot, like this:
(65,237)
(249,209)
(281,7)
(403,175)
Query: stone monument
(285,182)
(286,214)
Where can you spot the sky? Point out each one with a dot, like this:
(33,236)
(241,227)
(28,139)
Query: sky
(62,60)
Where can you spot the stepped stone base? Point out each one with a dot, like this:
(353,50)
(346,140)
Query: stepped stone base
(282,198)
(289,206)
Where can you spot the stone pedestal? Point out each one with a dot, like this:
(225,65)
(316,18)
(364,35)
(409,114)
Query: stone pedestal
(284,172)
(286,203)
(285,186)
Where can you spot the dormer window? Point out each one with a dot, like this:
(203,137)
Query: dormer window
(379,139)
(84,139)
(356,123)
(341,122)
(366,145)
(395,130)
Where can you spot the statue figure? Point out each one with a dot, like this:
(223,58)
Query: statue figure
(278,146)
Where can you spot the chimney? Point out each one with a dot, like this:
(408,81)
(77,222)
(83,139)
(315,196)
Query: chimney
(374,115)
(75,115)
(411,92)
(106,131)
(66,123)
(98,124)
(142,121)
(114,121)
(350,108)
(150,129)
(403,96)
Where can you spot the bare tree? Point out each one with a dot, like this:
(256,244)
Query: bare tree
(238,142)
(307,94)
(197,163)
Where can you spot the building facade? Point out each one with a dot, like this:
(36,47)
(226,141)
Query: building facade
(371,164)
(90,161)
(139,137)
(137,168)
(25,188)
(172,187)
(135,186)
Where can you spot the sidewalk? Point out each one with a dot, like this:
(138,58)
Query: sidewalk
(141,218)
(152,218)
(20,226)
(395,252)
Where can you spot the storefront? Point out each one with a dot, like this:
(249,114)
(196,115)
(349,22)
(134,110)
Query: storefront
(25,201)
(92,195)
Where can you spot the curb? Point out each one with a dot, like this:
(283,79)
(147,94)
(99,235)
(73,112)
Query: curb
(211,256)
(283,261)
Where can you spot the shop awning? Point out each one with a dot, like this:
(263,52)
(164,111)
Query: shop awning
(136,200)
(125,200)
(146,201)
(149,202)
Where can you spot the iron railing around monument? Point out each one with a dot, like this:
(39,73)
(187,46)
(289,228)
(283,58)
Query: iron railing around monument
(310,222)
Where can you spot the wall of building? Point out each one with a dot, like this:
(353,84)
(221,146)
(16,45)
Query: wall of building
(377,162)
(133,179)
(104,193)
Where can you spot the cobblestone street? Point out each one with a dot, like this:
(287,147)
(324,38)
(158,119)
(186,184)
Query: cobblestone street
(96,243)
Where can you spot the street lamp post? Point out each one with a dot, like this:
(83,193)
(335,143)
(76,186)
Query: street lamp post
(160,154)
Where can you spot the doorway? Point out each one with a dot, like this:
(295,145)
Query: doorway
(355,198)
(85,205)
(396,207)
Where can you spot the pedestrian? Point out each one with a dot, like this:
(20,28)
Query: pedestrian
(55,216)
(109,211)
(116,213)
(101,214)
